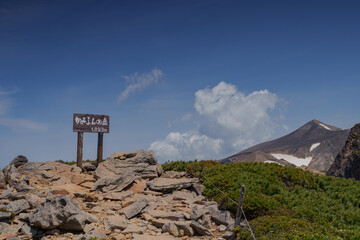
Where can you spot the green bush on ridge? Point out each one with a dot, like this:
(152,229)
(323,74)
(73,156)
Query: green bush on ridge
(282,202)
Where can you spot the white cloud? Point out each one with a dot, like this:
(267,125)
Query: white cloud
(5,100)
(21,125)
(230,122)
(187,146)
(140,81)
(244,119)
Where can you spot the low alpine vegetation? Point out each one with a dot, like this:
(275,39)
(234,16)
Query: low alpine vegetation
(282,202)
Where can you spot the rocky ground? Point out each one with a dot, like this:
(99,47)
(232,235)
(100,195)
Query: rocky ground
(347,162)
(126,197)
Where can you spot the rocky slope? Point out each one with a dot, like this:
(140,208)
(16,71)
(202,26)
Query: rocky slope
(126,197)
(347,162)
(314,145)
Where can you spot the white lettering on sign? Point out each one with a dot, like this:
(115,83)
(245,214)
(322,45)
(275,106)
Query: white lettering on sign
(91,121)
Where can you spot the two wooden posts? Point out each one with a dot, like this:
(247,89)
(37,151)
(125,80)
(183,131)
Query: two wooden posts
(92,123)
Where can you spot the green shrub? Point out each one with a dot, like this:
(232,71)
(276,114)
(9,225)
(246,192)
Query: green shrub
(282,202)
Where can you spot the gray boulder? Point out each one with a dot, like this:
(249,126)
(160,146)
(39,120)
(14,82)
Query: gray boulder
(10,229)
(186,227)
(6,193)
(12,175)
(18,161)
(202,231)
(171,228)
(142,163)
(135,208)
(16,207)
(198,188)
(35,200)
(118,196)
(5,216)
(115,222)
(220,216)
(165,215)
(88,166)
(60,212)
(89,218)
(169,185)
(115,184)
(23,187)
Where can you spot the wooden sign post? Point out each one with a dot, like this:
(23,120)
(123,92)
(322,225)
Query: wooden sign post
(90,123)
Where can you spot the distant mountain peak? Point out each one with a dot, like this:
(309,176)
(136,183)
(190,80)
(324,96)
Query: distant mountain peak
(323,125)
(314,145)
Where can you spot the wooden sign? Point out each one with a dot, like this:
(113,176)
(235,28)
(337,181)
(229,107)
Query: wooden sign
(91,123)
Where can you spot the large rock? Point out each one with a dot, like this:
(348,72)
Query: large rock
(61,212)
(220,216)
(186,227)
(7,194)
(118,196)
(347,162)
(17,206)
(5,216)
(88,166)
(169,185)
(133,228)
(23,187)
(135,208)
(165,215)
(12,175)
(34,200)
(54,173)
(115,222)
(142,163)
(115,184)
(172,229)
(19,161)
(202,231)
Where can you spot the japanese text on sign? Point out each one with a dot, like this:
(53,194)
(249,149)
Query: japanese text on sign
(91,123)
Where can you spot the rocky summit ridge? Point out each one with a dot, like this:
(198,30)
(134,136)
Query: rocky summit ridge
(347,162)
(128,196)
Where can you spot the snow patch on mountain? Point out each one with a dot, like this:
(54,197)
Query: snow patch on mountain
(292,159)
(270,161)
(324,126)
(315,145)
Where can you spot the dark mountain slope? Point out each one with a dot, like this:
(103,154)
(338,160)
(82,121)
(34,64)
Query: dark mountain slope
(347,162)
(317,142)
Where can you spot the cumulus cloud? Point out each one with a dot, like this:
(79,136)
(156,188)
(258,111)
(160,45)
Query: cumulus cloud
(230,121)
(21,125)
(244,119)
(187,146)
(140,81)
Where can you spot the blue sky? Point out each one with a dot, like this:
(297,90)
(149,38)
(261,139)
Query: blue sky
(189,79)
